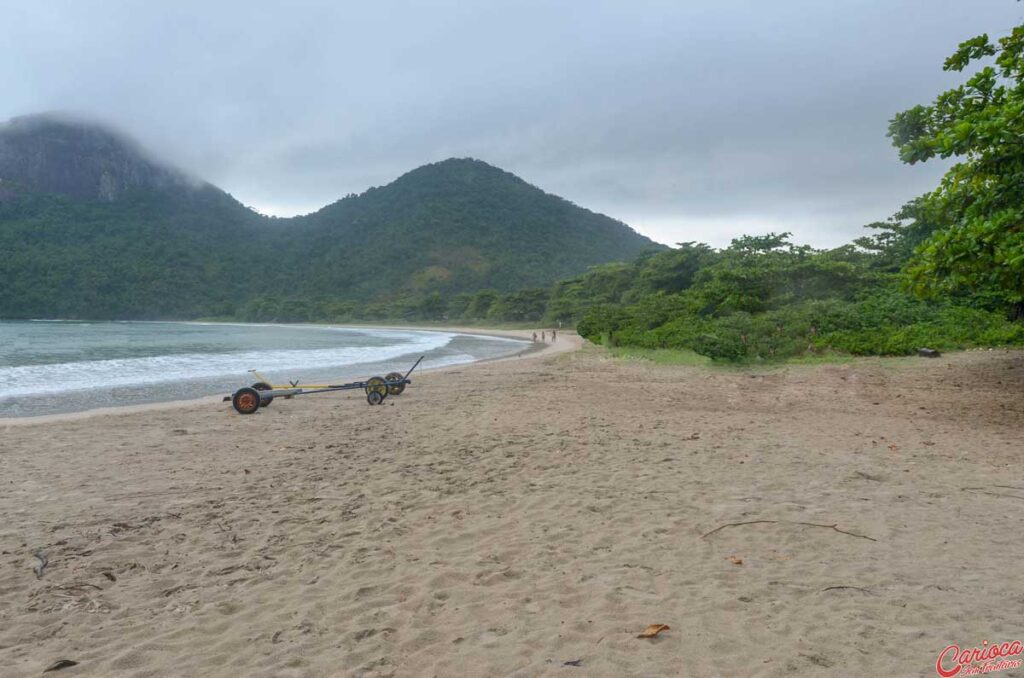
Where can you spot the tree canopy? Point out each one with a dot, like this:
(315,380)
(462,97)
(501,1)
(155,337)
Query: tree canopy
(976,215)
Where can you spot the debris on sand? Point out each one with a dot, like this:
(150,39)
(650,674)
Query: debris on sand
(40,567)
(653,630)
(60,664)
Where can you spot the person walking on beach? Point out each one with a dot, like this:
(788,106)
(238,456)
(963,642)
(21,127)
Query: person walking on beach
(543,336)
(534,337)
(553,337)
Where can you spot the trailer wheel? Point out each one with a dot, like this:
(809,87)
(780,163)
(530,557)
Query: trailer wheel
(377,385)
(246,400)
(374,398)
(395,389)
(264,386)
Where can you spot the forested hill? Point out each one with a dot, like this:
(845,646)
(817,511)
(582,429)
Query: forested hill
(455,226)
(92,227)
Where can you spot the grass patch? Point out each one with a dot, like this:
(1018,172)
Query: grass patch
(660,356)
(827,358)
(671,356)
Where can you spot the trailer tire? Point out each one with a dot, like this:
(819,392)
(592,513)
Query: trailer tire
(374,398)
(264,386)
(377,385)
(246,400)
(395,389)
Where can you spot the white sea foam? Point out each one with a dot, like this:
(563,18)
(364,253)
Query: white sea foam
(456,359)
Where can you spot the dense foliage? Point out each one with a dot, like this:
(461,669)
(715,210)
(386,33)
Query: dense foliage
(184,252)
(976,215)
(150,255)
(764,298)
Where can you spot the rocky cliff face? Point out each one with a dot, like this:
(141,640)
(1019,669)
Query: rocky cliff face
(53,154)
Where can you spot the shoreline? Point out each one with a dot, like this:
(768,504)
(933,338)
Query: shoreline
(532,350)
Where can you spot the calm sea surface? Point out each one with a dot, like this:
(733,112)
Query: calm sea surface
(49,367)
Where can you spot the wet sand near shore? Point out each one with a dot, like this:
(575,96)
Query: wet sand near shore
(529,516)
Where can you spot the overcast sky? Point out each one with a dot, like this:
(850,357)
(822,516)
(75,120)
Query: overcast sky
(687,119)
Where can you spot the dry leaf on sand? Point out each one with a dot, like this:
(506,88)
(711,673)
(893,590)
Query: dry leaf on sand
(653,630)
(735,560)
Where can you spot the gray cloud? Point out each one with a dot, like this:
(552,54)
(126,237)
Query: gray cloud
(689,120)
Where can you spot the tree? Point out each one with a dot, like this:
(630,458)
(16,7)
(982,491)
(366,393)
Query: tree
(526,306)
(674,270)
(978,245)
(480,304)
(759,273)
(897,238)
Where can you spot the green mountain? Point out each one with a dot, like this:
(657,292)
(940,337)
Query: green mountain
(453,226)
(93,227)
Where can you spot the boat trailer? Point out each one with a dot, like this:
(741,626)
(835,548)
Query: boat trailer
(251,398)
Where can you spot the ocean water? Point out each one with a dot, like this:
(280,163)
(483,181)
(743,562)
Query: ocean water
(50,367)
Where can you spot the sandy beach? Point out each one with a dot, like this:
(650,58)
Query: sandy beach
(526,517)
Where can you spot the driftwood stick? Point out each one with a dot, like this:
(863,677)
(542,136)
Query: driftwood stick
(722,527)
(982,490)
(855,588)
(788,522)
(852,534)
